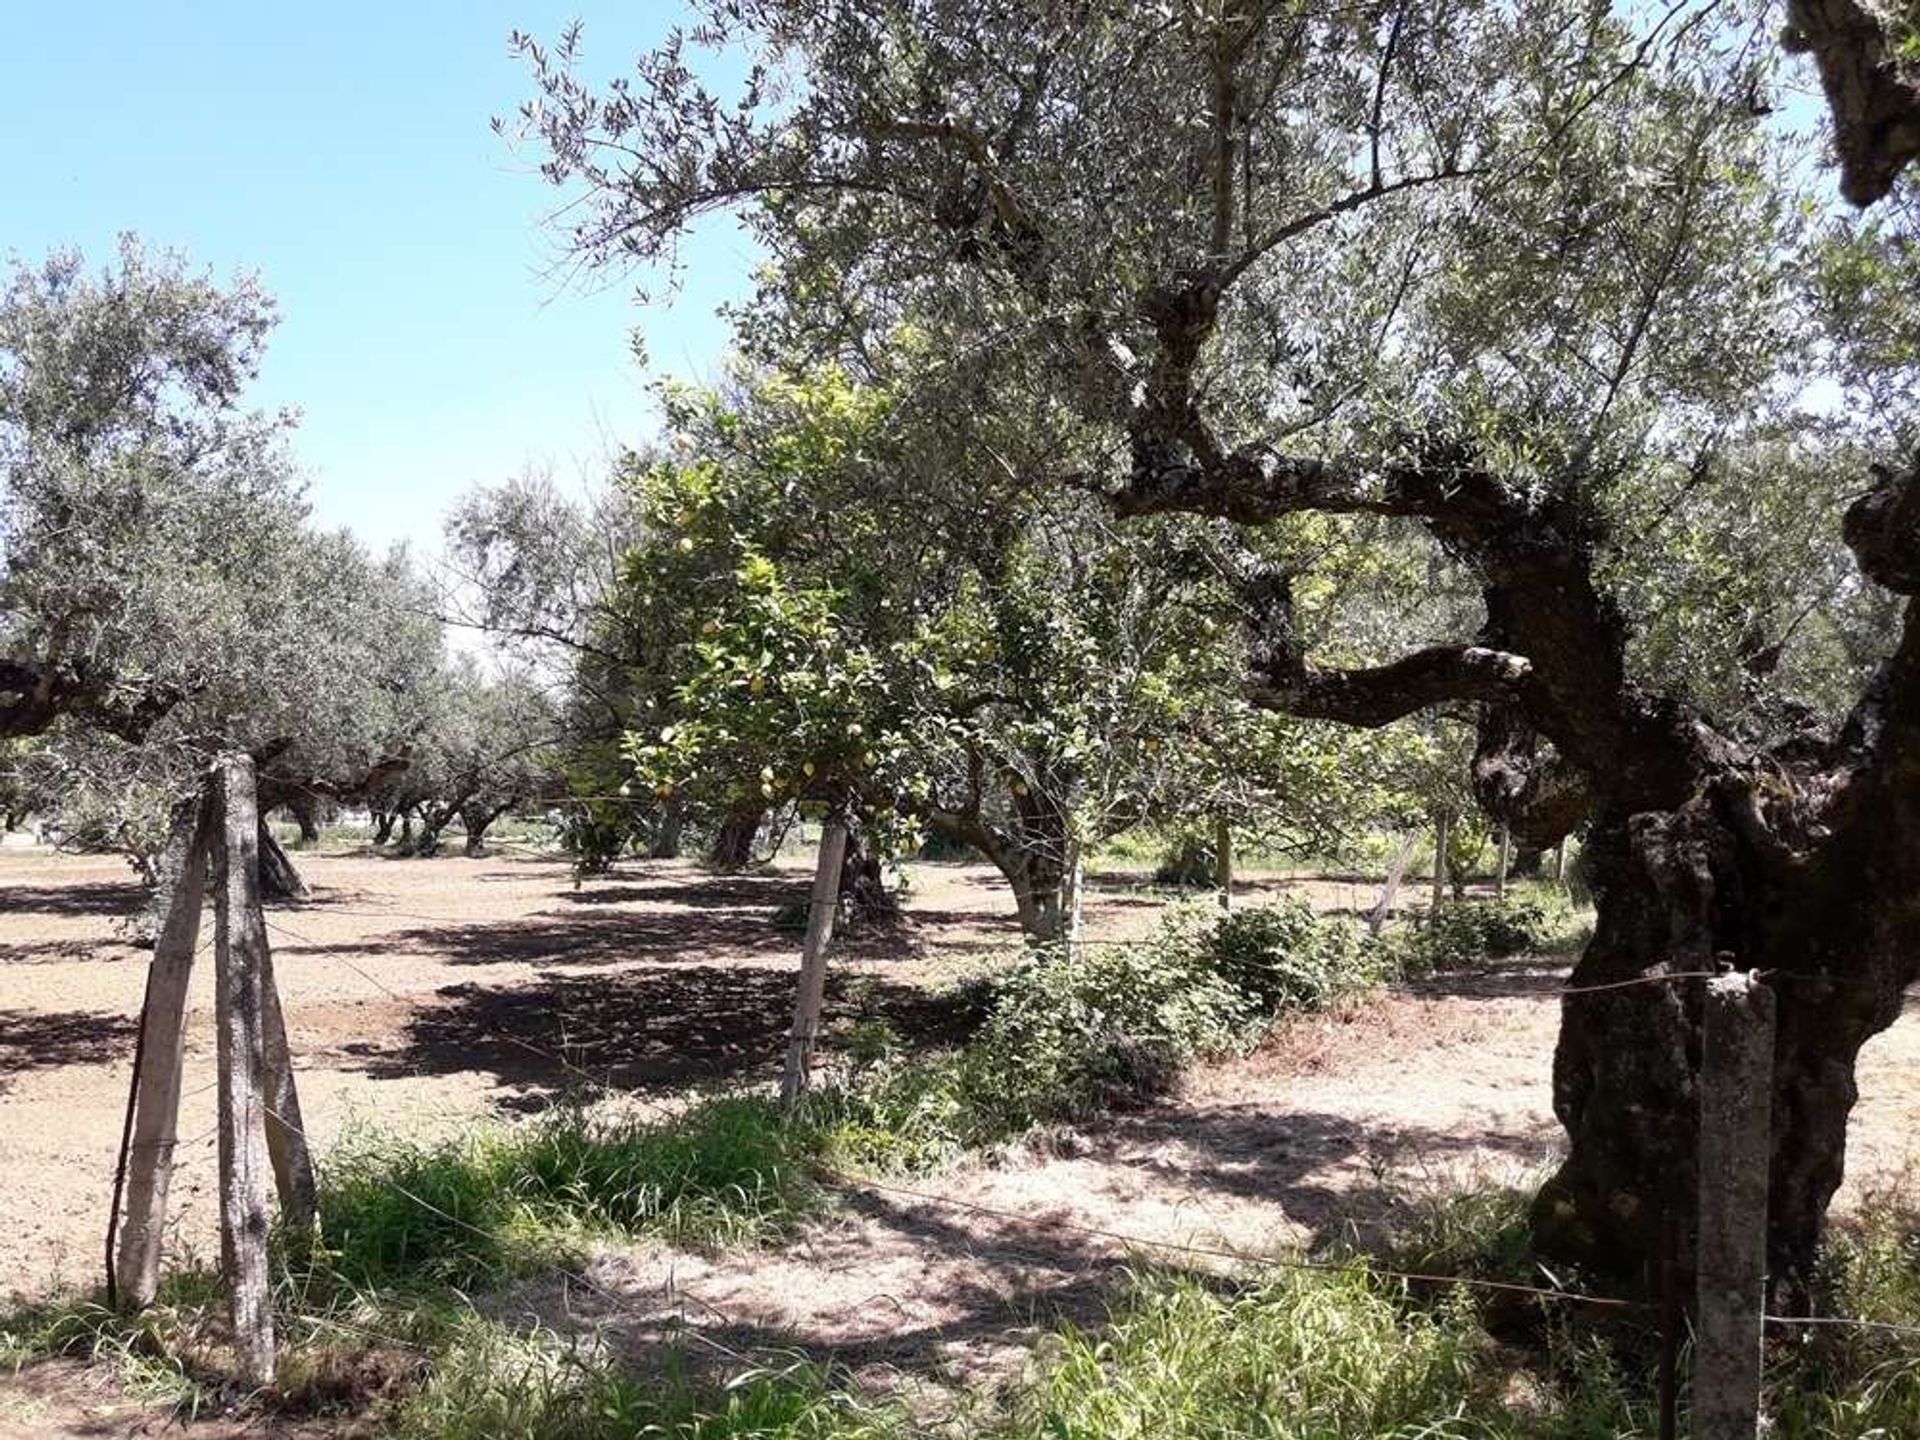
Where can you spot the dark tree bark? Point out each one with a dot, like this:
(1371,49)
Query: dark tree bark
(278,878)
(732,847)
(477,819)
(383,825)
(664,842)
(1873,95)
(865,899)
(305,810)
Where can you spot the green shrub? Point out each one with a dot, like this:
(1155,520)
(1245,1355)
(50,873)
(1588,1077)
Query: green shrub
(1285,957)
(1101,1023)
(1471,932)
(1069,1032)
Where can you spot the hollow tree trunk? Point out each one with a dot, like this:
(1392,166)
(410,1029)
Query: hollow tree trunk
(1833,928)
(732,847)
(278,878)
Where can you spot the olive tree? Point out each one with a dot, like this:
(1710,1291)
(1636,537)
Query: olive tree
(1494,273)
(162,594)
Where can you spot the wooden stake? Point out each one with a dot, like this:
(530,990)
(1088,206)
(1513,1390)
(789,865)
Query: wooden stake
(813,962)
(161,1059)
(1223,859)
(1440,828)
(1506,859)
(1736,1119)
(239,1023)
(1671,1324)
(1390,888)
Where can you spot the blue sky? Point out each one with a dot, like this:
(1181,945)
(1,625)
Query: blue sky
(343,151)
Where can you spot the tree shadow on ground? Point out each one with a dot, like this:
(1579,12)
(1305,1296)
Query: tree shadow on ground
(1333,1175)
(115,948)
(91,897)
(49,1039)
(643,1029)
(549,937)
(1528,978)
(767,889)
(913,1280)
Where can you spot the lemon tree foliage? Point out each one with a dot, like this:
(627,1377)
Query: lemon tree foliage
(1548,284)
(1024,679)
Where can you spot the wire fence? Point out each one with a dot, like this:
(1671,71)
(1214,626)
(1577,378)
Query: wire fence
(1128,1241)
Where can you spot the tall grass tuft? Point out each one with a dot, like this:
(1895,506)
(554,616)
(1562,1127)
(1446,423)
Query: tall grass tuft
(493,1384)
(1301,1356)
(507,1199)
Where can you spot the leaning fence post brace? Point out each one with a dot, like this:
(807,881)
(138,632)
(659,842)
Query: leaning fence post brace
(813,960)
(1736,1102)
(287,1149)
(159,1064)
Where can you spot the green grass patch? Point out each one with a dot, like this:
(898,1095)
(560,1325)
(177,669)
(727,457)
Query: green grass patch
(507,1199)
(490,1383)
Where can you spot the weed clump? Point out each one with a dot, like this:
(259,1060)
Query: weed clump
(1073,1031)
(1471,932)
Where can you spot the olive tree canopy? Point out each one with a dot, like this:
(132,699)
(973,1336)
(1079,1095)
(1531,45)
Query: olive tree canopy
(1524,278)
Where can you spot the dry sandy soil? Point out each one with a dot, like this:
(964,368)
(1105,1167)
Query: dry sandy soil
(420,994)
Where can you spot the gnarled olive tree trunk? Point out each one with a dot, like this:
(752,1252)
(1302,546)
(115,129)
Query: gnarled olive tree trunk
(1801,865)
(1800,862)
(732,847)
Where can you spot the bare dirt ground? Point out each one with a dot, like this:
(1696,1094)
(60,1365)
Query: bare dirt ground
(420,994)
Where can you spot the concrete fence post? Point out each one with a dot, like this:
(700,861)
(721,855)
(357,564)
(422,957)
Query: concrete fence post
(1736,1139)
